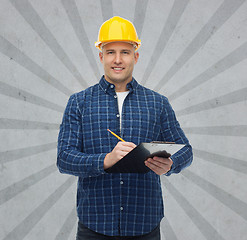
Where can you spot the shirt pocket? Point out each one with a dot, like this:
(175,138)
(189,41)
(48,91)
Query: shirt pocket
(144,124)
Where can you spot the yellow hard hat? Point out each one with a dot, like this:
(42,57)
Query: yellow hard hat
(117,29)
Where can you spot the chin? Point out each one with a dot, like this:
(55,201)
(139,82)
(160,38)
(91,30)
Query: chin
(118,80)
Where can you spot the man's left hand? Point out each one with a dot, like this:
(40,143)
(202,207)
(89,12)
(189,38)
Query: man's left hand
(159,165)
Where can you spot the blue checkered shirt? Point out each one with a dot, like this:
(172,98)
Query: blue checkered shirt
(124,204)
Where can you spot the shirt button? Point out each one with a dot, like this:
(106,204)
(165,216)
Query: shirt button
(121,208)
(115,96)
(118,115)
(121,182)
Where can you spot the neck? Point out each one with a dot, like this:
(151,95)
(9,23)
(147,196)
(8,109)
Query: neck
(121,87)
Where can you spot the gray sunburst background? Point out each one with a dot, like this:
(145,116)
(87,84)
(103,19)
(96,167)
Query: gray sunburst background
(193,51)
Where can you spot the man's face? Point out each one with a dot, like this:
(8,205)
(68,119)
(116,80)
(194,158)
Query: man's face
(118,59)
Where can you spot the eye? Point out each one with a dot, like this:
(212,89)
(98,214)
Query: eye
(125,52)
(110,52)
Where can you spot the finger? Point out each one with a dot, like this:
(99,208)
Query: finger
(122,152)
(158,170)
(127,144)
(157,164)
(126,149)
(167,161)
(163,165)
(154,168)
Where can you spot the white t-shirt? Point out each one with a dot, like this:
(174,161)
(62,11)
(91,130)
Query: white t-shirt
(120,97)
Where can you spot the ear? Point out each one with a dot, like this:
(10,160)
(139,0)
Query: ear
(136,57)
(101,57)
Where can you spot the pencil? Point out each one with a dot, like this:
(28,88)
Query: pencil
(114,134)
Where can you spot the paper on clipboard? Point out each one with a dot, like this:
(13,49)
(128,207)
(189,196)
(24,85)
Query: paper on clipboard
(133,162)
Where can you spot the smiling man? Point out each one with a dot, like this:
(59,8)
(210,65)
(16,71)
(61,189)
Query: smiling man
(118,205)
(118,59)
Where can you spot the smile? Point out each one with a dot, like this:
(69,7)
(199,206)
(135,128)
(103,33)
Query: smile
(117,68)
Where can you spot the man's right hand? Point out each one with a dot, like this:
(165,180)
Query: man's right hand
(119,151)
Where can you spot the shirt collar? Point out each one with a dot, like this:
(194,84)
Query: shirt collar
(109,87)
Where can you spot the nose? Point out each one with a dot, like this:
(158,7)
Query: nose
(118,58)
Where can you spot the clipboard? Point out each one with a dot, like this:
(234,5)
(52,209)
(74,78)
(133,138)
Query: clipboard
(133,162)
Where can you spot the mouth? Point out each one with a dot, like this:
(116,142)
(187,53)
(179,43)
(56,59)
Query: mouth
(117,69)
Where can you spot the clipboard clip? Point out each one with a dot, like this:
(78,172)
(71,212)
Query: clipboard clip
(163,142)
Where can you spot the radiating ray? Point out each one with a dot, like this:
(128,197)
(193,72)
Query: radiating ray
(240,130)
(172,20)
(233,97)
(18,187)
(77,24)
(6,123)
(167,230)
(207,230)
(223,13)
(221,160)
(224,197)
(21,230)
(22,59)
(222,65)
(16,154)
(139,17)
(19,94)
(32,18)
(67,226)
(106,9)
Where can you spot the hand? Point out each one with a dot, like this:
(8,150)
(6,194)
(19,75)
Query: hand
(119,151)
(159,165)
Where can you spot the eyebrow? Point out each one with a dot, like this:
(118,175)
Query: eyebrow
(110,50)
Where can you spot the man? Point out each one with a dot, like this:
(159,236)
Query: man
(118,205)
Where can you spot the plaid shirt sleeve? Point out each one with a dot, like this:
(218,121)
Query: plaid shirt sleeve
(71,159)
(172,132)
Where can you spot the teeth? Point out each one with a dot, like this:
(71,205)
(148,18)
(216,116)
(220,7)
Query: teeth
(117,68)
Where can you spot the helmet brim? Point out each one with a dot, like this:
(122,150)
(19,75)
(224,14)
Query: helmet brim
(136,44)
